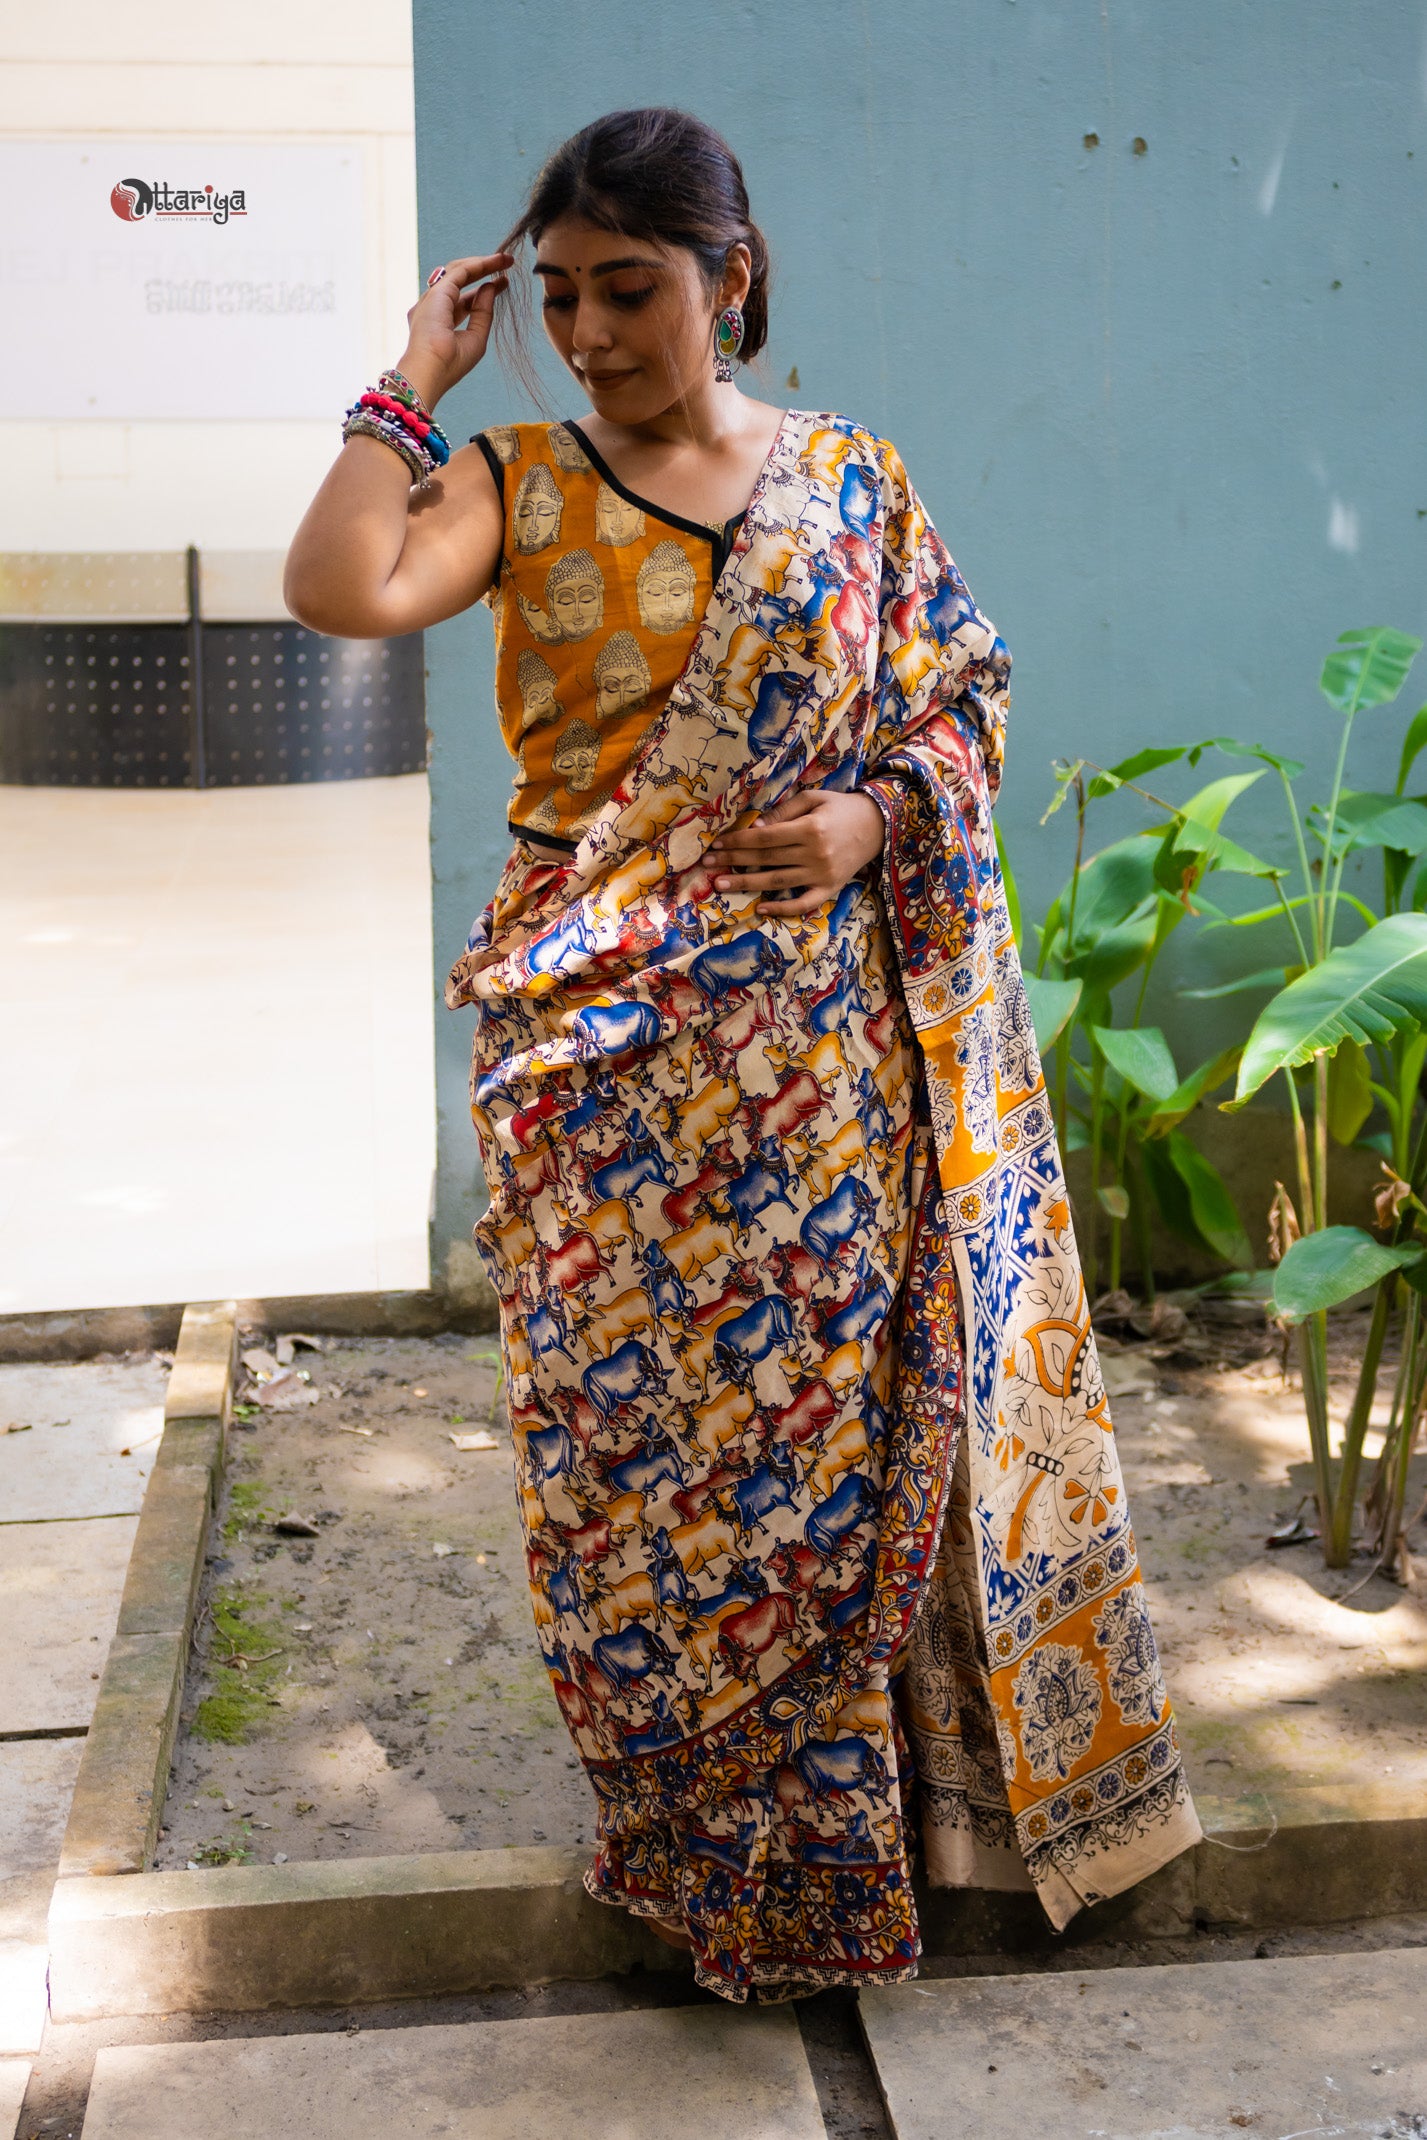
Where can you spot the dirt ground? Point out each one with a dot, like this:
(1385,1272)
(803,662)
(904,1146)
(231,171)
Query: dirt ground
(376,1688)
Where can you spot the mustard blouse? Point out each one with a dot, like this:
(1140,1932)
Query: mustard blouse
(596,606)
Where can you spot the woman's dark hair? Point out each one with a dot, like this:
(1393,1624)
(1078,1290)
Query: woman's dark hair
(656,174)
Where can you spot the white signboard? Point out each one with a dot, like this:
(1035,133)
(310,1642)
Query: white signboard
(157,279)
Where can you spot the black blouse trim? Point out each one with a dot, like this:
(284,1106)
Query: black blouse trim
(720,540)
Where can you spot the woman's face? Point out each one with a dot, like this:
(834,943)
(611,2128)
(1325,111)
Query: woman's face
(632,320)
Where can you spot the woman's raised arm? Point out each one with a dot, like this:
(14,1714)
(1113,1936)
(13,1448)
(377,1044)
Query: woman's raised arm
(376,556)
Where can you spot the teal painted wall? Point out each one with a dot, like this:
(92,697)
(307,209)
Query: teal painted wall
(1165,407)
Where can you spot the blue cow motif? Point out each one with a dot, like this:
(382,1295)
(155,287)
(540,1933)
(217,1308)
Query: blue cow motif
(729,969)
(840,1218)
(631,1372)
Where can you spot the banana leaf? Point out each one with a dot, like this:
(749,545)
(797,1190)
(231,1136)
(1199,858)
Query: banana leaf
(1141,1055)
(1368,667)
(1330,1266)
(1350,1093)
(1187,1096)
(1192,1198)
(1369,820)
(1114,954)
(1052,1007)
(1113,885)
(1145,761)
(1232,748)
(1363,991)
(1412,745)
(1267,977)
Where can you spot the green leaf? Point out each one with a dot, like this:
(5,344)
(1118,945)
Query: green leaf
(1232,748)
(1065,778)
(1052,1007)
(1113,885)
(1332,1265)
(1145,761)
(1170,1194)
(1350,1094)
(1363,991)
(1114,955)
(1187,1096)
(1209,805)
(1114,1200)
(1366,820)
(1199,833)
(1141,1055)
(1412,745)
(1192,1199)
(1267,977)
(1211,1206)
(1367,667)
(1013,897)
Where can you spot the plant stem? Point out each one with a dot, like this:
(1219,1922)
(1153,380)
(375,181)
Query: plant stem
(1313,1358)
(1333,874)
(1390,1486)
(1293,924)
(1309,886)
(1338,1539)
(1320,1138)
(1300,1153)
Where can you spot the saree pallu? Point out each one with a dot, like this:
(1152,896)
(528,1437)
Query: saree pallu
(817,1477)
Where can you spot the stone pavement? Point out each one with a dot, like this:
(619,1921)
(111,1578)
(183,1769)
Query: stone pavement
(688,2073)
(1329,2045)
(71,1486)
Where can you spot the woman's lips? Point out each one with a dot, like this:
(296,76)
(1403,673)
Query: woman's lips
(607,378)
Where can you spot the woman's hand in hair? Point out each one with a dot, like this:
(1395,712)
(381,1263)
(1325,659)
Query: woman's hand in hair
(450,324)
(800,854)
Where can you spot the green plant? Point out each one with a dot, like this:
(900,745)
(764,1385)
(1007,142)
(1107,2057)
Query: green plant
(1346,1027)
(1118,1091)
(1342,1010)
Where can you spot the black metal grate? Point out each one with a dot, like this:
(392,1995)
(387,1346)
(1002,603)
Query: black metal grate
(111,706)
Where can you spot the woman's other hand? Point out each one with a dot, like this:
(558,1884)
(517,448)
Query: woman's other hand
(808,847)
(449,326)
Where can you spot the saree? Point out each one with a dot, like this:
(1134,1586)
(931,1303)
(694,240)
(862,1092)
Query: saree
(826,1534)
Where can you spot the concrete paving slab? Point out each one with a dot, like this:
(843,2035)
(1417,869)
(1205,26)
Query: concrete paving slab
(1329,2045)
(60,1585)
(14,2080)
(684,2073)
(23,1997)
(94,1433)
(36,1784)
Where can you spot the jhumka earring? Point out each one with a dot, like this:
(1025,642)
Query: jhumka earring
(728,340)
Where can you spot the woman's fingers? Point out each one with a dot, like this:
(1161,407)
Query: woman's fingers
(762,880)
(471,267)
(757,843)
(815,897)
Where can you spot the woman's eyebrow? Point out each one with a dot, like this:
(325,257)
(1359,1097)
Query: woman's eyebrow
(605,267)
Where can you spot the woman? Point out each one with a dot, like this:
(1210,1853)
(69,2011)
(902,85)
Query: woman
(817,1477)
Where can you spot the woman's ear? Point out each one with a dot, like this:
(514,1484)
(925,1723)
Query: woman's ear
(737,276)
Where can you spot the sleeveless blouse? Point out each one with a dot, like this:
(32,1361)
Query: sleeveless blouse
(596,606)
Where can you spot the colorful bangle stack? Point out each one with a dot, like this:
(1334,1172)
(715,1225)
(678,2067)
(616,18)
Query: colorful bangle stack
(395,413)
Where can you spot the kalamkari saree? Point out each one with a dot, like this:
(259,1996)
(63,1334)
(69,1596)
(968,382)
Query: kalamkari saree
(826,1534)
